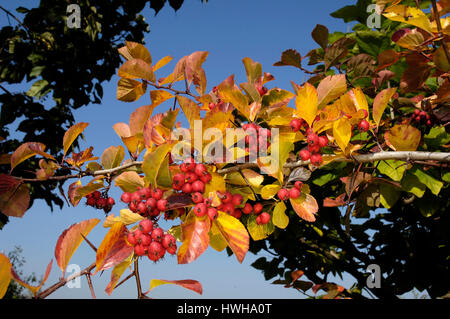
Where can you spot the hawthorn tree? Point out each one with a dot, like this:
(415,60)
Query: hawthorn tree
(353,174)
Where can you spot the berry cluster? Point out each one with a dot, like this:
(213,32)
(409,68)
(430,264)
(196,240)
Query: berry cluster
(100,201)
(192,179)
(257,209)
(315,142)
(145,201)
(257,138)
(151,241)
(293,193)
(421,118)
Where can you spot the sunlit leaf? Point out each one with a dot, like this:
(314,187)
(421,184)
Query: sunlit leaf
(112,156)
(402,137)
(190,109)
(153,161)
(330,89)
(116,234)
(259,232)
(71,135)
(234,233)
(129,90)
(134,50)
(342,132)
(5,274)
(190,284)
(306,103)
(305,206)
(33,289)
(410,15)
(280,219)
(129,181)
(269,191)
(127,217)
(136,69)
(195,236)
(70,239)
(380,103)
(117,272)
(27,150)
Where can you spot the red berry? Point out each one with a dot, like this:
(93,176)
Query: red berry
(200,170)
(237,213)
(227,197)
(172,250)
(154,212)
(197,198)
(146,226)
(132,239)
(304,154)
(139,250)
(145,239)
(366,114)
(179,179)
(91,201)
(191,177)
(211,105)
(100,203)
(314,148)
(188,165)
(237,199)
(298,185)
(262,90)
(161,205)
(295,125)
(258,220)
(416,111)
(283,194)
(312,139)
(248,209)
(363,126)
(150,203)
(316,159)
(133,207)
(228,208)
(187,188)
(294,193)
(126,197)
(429,123)
(157,234)
(200,210)
(212,213)
(157,193)
(96,194)
(168,241)
(206,178)
(142,208)
(155,251)
(323,141)
(135,198)
(110,201)
(423,114)
(257,208)
(264,218)
(198,186)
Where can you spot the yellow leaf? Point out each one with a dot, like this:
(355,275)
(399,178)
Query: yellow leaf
(153,161)
(117,272)
(403,137)
(217,183)
(234,233)
(71,134)
(259,232)
(342,132)
(306,103)
(280,219)
(409,15)
(190,109)
(380,103)
(126,216)
(129,181)
(162,62)
(231,94)
(129,90)
(269,191)
(330,88)
(190,284)
(136,69)
(5,274)
(216,240)
(115,233)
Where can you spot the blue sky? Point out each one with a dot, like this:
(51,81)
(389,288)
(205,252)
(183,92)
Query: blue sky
(230,30)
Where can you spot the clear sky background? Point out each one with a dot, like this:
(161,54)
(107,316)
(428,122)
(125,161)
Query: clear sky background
(230,30)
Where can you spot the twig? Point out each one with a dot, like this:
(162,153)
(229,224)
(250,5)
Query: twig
(248,184)
(138,279)
(89,243)
(63,281)
(125,279)
(91,288)
(439,27)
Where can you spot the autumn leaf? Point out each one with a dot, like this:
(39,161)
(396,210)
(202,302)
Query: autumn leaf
(234,233)
(139,117)
(259,232)
(112,157)
(190,284)
(5,274)
(70,239)
(305,206)
(129,181)
(133,50)
(27,150)
(126,216)
(129,90)
(290,57)
(253,70)
(153,161)
(402,137)
(330,89)
(190,109)
(195,236)
(15,201)
(380,103)
(71,135)
(231,94)
(113,242)
(416,17)
(33,289)
(117,272)
(279,218)
(306,103)
(342,132)
(136,69)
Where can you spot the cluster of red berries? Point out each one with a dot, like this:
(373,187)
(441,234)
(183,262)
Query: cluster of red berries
(151,241)
(262,218)
(100,201)
(421,117)
(293,193)
(257,138)
(315,142)
(192,179)
(145,201)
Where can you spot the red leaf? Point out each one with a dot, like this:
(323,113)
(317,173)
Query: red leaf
(33,289)
(195,238)
(339,201)
(190,284)
(306,207)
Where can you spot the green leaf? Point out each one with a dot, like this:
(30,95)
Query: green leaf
(280,219)
(113,156)
(37,89)
(392,168)
(253,70)
(153,162)
(412,184)
(388,195)
(437,137)
(372,42)
(433,184)
(259,232)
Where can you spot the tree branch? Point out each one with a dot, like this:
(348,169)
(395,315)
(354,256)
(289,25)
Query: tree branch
(439,27)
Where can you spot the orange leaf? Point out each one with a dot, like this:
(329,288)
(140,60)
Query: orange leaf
(71,135)
(136,69)
(305,206)
(129,90)
(5,274)
(231,94)
(134,50)
(195,236)
(339,201)
(190,284)
(330,88)
(33,289)
(118,252)
(117,272)
(159,96)
(109,245)
(190,109)
(403,137)
(234,233)
(380,103)
(70,239)
(27,150)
